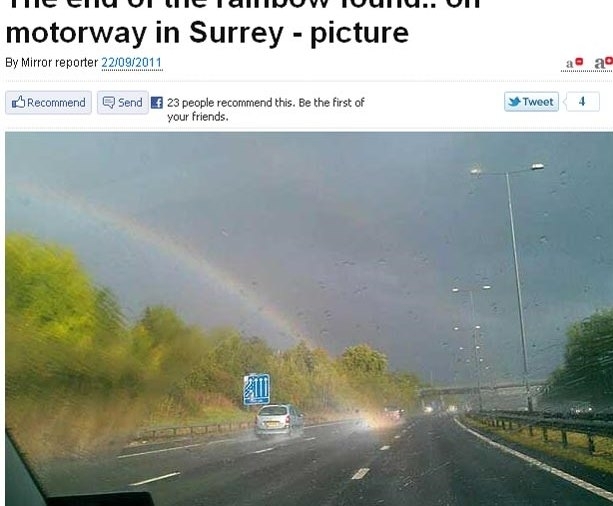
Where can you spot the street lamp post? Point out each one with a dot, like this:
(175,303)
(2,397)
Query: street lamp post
(475,328)
(477,172)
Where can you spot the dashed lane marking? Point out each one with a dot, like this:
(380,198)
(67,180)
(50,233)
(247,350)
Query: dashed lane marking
(383,448)
(264,450)
(327,423)
(162,450)
(553,470)
(360,473)
(221,441)
(309,438)
(157,478)
(397,436)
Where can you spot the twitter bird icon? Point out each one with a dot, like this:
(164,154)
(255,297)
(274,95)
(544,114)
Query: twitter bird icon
(514,102)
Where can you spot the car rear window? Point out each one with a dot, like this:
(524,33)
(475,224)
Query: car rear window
(273,410)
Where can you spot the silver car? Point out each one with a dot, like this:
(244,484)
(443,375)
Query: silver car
(279,419)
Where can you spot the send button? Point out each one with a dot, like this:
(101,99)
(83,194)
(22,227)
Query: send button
(539,101)
(123,102)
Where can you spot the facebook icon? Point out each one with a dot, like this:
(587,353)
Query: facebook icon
(157,102)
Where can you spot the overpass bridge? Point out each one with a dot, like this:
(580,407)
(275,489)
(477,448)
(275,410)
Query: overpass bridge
(472,389)
(509,396)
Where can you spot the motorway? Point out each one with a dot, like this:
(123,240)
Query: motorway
(428,460)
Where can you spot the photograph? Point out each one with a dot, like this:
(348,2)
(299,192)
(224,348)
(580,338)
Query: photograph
(238,317)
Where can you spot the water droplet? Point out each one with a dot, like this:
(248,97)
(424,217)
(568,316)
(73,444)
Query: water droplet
(598,237)
(546,214)
(543,239)
(563,173)
(382,261)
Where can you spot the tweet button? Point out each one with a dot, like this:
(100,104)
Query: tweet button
(537,101)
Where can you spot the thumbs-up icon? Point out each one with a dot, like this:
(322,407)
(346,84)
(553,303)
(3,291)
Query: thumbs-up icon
(20,103)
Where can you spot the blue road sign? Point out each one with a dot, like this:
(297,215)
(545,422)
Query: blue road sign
(256,389)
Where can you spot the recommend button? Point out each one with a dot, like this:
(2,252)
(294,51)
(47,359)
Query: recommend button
(48,102)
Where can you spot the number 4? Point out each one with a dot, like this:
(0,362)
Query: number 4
(582,101)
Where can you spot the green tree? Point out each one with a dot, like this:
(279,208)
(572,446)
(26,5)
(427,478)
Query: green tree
(587,372)
(167,347)
(48,290)
(364,360)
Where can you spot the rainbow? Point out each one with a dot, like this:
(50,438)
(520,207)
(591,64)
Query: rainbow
(212,275)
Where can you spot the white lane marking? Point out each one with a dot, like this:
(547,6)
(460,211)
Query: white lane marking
(397,436)
(553,470)
(404,430)
(327,423)
(154,479)
(264,450)
(158,451)
(360,473)
(309,438)
(383,448)
(221,441)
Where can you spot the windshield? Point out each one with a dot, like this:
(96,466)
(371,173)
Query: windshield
(161,288)
(273,410)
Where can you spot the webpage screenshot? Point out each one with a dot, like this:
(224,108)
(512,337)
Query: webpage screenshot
(307,252)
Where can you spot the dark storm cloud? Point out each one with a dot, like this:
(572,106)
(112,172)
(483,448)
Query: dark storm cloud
(355,237)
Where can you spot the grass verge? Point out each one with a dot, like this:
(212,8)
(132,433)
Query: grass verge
(577,450)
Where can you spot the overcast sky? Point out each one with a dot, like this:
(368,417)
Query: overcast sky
(335,238)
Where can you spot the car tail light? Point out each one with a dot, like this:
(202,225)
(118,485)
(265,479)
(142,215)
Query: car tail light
(287,420)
